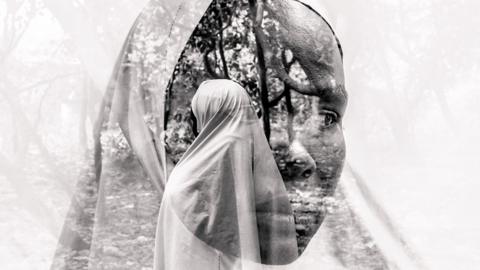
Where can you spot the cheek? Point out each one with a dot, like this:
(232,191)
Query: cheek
(327,147)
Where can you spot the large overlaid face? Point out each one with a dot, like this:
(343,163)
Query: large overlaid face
(306,125)
(315,47)
(319,53)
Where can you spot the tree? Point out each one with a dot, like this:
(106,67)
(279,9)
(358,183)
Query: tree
(247,41)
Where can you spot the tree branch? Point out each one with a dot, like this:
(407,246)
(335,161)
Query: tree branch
(290,113)
(276,65)
(274,102)
(208,67)
(256,8)
(286,91)
(220,42)
(47,81)
(287,64)
(288,96)
(34,137)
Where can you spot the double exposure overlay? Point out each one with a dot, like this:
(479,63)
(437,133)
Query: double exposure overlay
(345,137)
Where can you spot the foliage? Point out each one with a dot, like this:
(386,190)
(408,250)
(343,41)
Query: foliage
(115,145)
(223,46)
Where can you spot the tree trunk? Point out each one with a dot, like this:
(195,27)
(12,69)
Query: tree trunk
(256,10)
(290,113)
(221,50)
(82,129)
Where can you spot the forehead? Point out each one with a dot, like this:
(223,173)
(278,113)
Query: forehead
(314,44)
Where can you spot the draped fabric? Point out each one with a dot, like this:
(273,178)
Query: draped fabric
(192,225)
(226,190)
(105,199)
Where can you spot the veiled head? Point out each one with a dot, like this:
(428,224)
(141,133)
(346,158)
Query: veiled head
(218,100)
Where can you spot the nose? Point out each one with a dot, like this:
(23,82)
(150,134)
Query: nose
(300,163)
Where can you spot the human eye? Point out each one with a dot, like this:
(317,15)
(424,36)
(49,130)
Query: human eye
(327,119)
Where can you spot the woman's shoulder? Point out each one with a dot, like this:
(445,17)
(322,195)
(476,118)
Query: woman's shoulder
(234,142)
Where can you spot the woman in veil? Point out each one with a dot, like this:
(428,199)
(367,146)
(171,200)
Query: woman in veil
(202,224)
(225,205)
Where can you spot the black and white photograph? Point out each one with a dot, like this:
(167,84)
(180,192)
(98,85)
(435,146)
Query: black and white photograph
(239,134)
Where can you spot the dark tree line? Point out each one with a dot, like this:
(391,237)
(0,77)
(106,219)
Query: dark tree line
(242,40)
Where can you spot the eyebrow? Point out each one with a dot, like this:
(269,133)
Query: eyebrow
(334,98)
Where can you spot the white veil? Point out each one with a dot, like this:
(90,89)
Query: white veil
(225,192)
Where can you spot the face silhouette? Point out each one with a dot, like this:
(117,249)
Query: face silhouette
(320,137)
(315,150)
